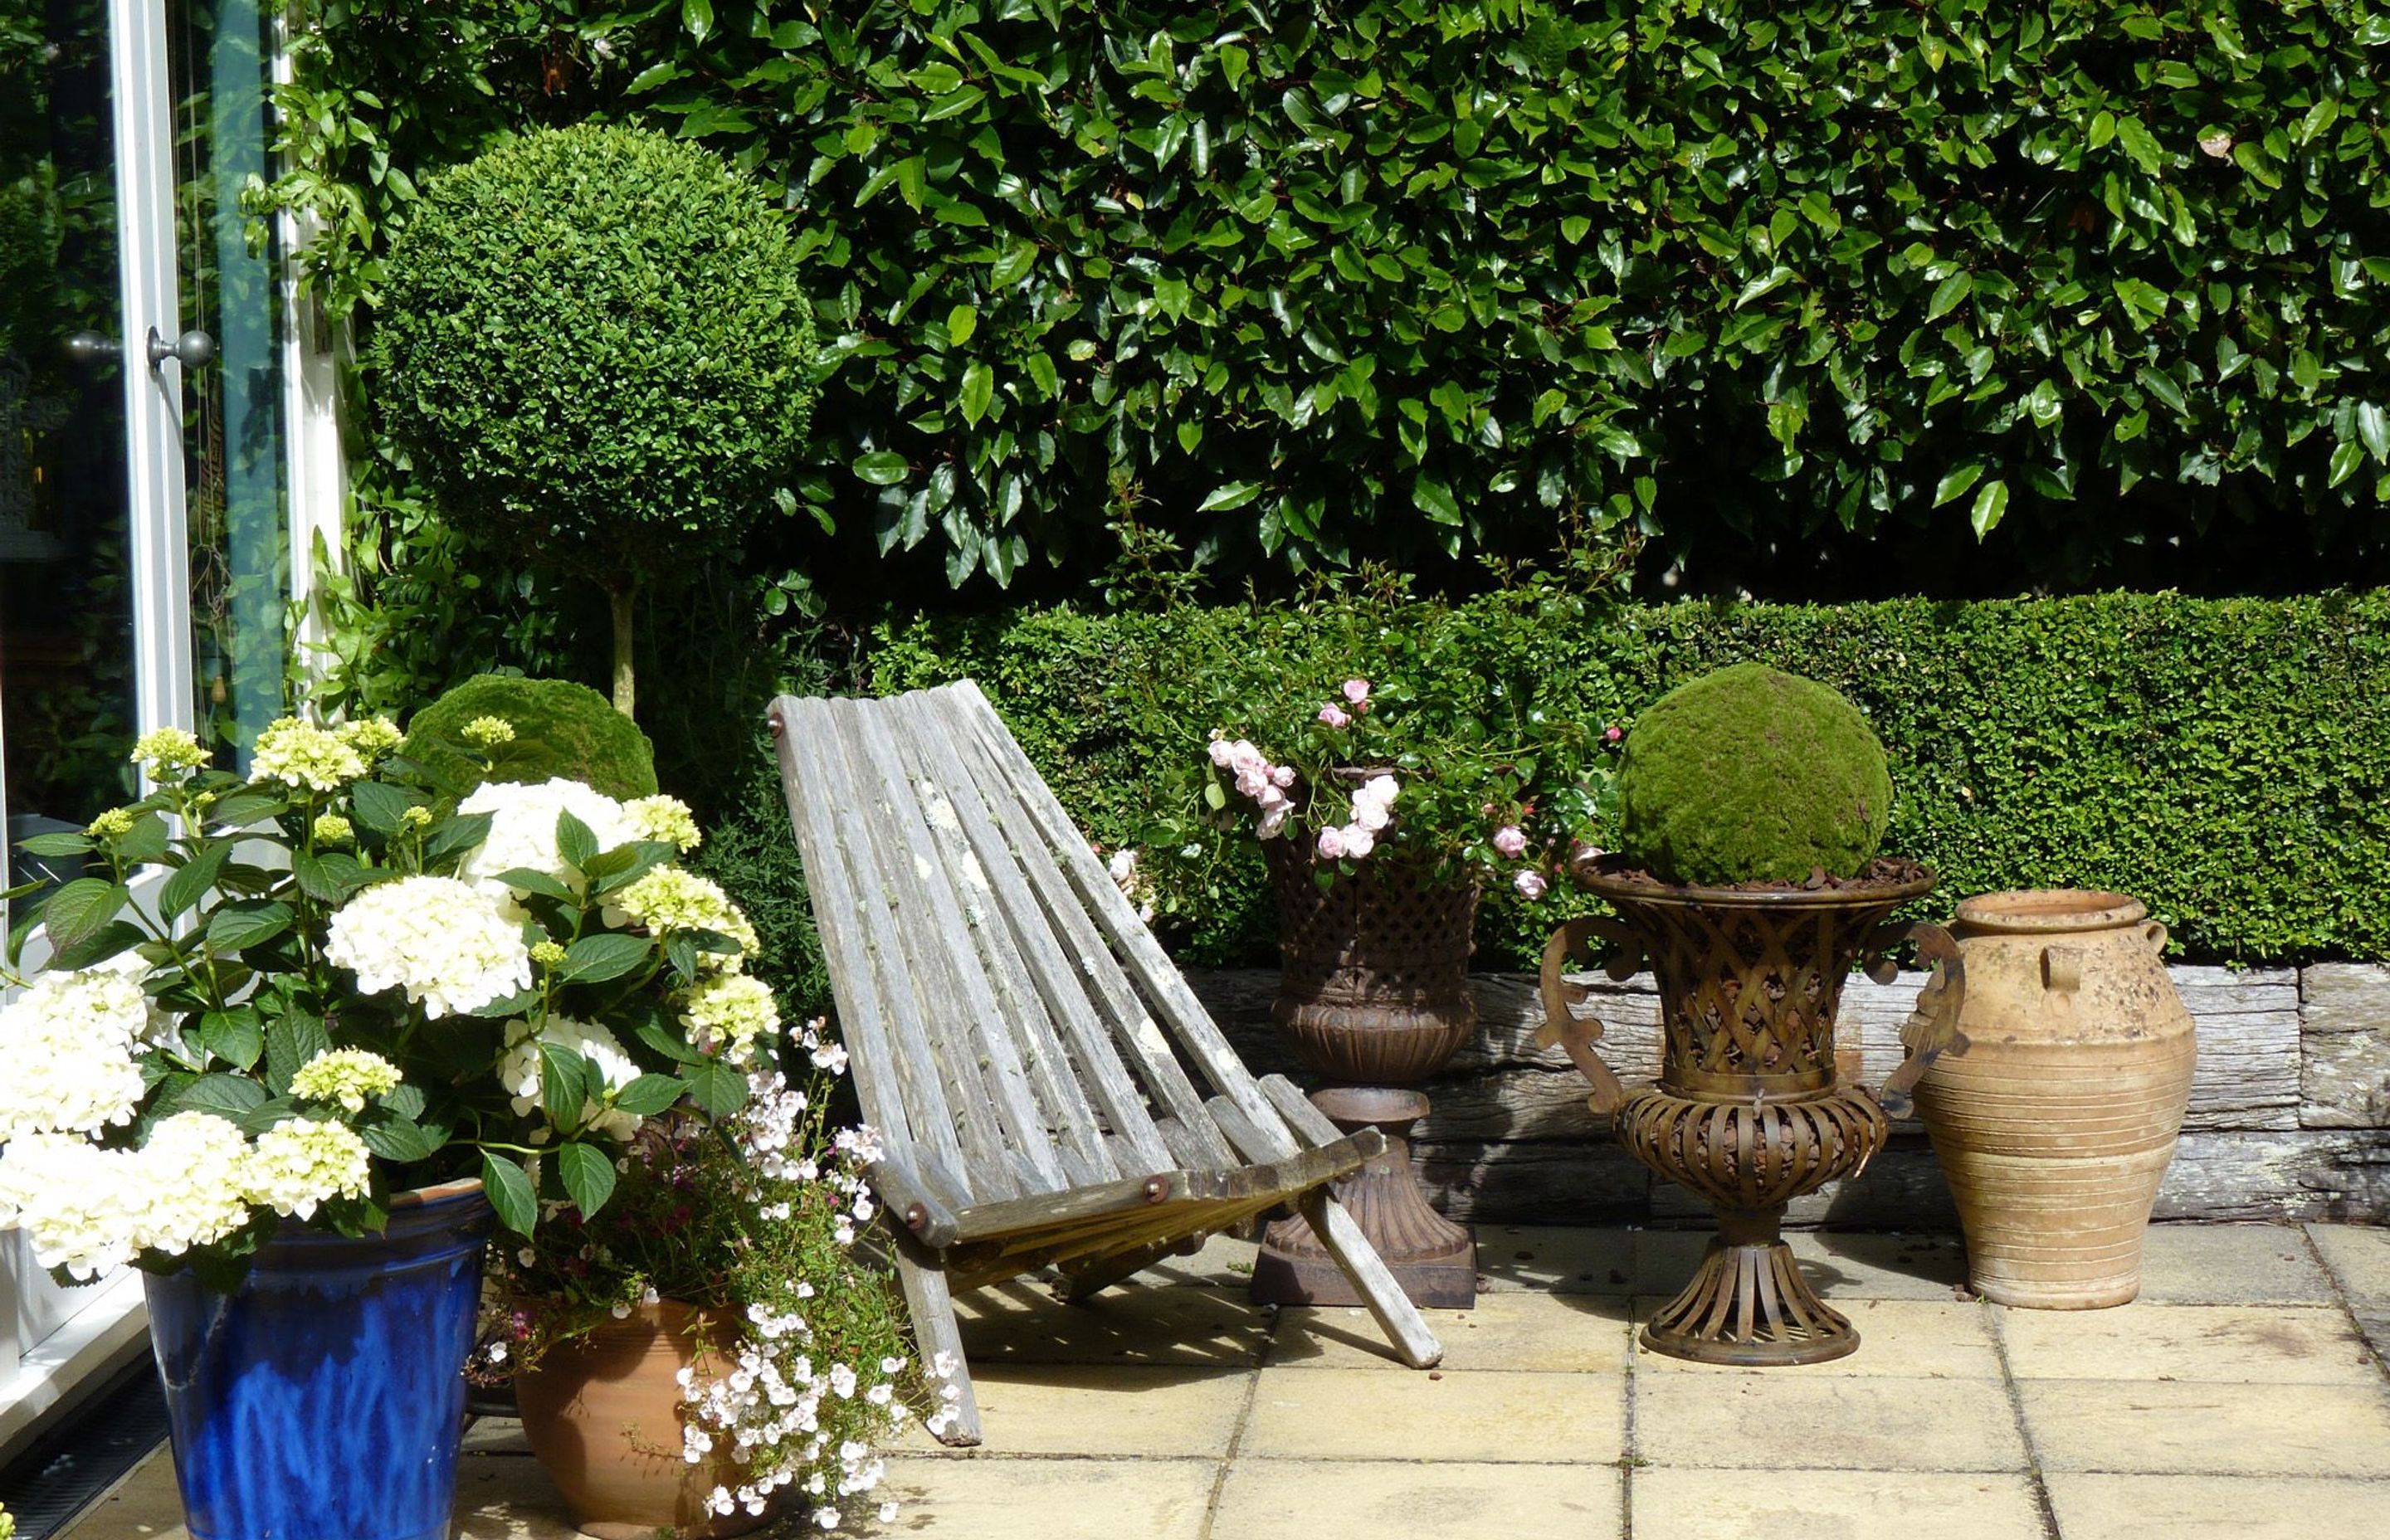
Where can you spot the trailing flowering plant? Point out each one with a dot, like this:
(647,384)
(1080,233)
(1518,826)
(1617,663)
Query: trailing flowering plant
(293,994)
(1379,732)
(751,1220)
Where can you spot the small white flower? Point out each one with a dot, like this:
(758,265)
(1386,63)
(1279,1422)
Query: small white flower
(451,947)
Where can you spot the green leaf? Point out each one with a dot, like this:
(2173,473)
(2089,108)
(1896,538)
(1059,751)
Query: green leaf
(698,17)
(81,910)
(2346,455)
(574,841)
(396,1137)
(456,837)
(1229,497)
(603,957)
(510,1193)
(565,1082)
(1955,485)
(882,468)
(524,879)
(2374,429)
(1949,294)
(145,843)
(716,1086)
(978,388)
(588,1177)
(960,323)
(291,1039)
(250,922)
(1990,502)
(656,1036)
(227,1094)
(2139,144)
(55,845)
(118,936)
(236,1035)
(380,806)
(648,1095)
(1434,499)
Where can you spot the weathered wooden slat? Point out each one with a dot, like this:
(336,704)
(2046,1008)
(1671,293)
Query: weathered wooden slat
(931,1307)
(1253,1140)
(960,1009)
(1035,946)
(893,1075)
(1396,1316)
(1310,1124)
(1115,997)
(1142,955)
(963,1099)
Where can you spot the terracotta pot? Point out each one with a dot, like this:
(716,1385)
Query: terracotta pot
(2055,1126)
(602,1414)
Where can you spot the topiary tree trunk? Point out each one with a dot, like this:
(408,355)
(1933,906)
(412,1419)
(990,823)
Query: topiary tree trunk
(619,596)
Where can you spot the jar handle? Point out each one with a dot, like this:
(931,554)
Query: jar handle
(2061,969)
(2155,933)
(1932,1029)
(1577,1034)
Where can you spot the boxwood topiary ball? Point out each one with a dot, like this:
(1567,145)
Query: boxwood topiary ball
(1749,775)
(561,729)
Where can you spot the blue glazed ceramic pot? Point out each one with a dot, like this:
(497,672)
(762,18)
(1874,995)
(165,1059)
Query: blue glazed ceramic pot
(324,1398)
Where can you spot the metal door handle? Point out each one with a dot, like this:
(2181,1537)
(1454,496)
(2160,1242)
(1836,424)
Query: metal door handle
(191,350)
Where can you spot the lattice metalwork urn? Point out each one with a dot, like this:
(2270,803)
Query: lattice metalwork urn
(1748,1110)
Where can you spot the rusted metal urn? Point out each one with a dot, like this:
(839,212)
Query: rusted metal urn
(1748,1111)
(1374,998)
(2055,1128)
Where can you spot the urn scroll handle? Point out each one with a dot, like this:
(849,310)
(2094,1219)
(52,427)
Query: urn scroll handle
(1932,1029)
(1577,1034)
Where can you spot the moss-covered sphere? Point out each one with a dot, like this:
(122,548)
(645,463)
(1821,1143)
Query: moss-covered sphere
(561,728)
(1749,775)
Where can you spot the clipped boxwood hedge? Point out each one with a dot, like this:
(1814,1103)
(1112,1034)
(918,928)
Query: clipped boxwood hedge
(2228,761)
(1394,278)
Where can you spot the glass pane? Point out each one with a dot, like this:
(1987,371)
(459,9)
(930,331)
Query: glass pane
(66,618)
(217,53)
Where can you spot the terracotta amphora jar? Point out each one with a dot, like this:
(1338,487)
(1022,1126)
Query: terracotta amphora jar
(602,1414)
(2056,1124)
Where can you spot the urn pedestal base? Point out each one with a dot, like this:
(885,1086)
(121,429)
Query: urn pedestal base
(1433,1259)
(1749,1305)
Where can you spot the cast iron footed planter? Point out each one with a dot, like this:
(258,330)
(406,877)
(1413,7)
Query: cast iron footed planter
(324,1398)
(1748,1112)
(1374,997)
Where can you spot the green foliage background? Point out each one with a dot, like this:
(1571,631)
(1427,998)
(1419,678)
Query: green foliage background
(2227,760)
(1412,279)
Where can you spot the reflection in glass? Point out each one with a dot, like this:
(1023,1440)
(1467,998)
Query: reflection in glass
(65,634)
(217,61)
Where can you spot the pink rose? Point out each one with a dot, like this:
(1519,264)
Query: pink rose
(1273,819)
(1356,691)
(1221,751)
(1282,776)
(1613,733)
(1359,842)
(1531,884)
(1335,716)
(1510,840)
(1331,845)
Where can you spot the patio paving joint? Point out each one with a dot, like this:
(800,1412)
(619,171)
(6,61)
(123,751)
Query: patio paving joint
(2377,1345)
(2015,1393)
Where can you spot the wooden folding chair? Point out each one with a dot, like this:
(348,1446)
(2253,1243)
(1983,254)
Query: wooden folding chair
(1026,1050)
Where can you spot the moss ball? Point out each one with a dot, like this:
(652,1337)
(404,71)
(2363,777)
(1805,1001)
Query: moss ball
(561,728)
(1749,775)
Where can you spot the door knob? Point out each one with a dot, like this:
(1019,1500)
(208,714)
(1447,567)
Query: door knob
(191,350)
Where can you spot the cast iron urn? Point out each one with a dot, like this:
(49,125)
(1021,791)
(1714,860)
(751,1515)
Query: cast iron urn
(1748,1110)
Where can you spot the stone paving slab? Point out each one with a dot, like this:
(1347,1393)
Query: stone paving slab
(2234,1399)
(1673,1504)
(2217,1507)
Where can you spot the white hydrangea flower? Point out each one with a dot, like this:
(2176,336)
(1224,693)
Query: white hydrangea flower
(345,1075)
(731,1013)
(191,1176)
(453,947)
(669,899)
(75,1201)
(522,826)
(66,1052)
(665,818)
(519,1072)
(305,757)
(302,1162)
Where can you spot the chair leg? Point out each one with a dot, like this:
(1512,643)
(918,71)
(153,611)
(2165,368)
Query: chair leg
(1397,1318)
(934,1331)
